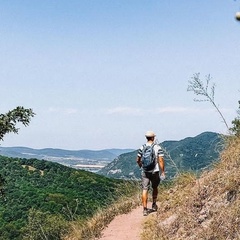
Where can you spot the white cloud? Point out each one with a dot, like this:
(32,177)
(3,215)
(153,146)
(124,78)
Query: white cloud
(125,111)
(173,110)
(142,111)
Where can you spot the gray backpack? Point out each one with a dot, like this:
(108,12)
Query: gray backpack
(148,157)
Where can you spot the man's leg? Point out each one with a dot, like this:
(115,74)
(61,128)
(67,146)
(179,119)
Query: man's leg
(155,182)
(154,195)
(144,198)
(145,186)
(154,199)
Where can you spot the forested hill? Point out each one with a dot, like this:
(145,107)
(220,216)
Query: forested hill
(189,154)
(41,193)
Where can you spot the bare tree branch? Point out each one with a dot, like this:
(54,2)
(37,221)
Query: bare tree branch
(197,87)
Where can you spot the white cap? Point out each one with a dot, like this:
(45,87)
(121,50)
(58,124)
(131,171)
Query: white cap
(150,134)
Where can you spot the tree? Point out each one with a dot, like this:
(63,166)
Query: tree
(9,120)
(2,181)
(236,123)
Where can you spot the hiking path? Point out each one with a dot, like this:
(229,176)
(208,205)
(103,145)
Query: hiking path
(126,226)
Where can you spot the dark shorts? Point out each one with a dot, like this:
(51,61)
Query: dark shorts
(149,177)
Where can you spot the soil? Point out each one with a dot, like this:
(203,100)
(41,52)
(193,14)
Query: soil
(126,226)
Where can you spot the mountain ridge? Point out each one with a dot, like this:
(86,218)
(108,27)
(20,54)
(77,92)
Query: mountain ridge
(188,154)
(104,153)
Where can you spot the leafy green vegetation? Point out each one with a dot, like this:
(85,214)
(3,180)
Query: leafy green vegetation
(235,129)
(40,198)
(9,120)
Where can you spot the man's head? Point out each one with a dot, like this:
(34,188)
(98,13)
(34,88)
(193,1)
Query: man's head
(150,135)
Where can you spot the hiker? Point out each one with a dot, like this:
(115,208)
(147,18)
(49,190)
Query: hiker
(150,171)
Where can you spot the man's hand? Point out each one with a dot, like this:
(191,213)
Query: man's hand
(162,176)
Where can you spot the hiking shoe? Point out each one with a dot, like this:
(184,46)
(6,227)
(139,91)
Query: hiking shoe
(145,212)
(154,207)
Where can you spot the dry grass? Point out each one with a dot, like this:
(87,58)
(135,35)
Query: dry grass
(92,228)
(191,208)
(204,208)
(30,168)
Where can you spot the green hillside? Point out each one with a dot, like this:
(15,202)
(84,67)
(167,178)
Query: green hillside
(41,193)
(189,154)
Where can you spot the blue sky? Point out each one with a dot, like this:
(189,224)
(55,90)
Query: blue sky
(100,73)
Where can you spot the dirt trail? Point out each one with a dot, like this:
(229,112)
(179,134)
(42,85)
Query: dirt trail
(125,227)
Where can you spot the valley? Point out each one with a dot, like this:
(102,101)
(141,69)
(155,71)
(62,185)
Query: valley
(89,160)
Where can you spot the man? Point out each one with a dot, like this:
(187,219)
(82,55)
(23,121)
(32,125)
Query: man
(151,176)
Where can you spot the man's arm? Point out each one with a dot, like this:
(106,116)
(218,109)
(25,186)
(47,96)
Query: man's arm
(161,165)
(139,162)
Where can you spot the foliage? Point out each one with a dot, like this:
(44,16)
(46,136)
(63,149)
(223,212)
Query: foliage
(9,120)
(236,123)
(51,193)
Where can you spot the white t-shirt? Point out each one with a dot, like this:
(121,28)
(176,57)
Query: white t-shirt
(158,152)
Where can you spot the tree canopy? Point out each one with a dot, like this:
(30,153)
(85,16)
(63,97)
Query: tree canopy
(9,120)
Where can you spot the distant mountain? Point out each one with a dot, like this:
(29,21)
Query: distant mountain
(84,159)
(189,154)
(118,152)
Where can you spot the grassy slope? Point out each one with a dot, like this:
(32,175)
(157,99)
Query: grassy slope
(190,207)
(205,208)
